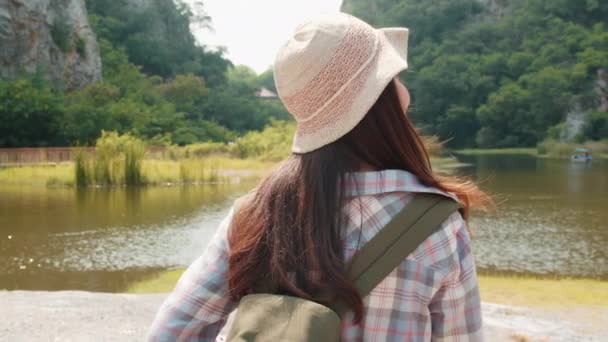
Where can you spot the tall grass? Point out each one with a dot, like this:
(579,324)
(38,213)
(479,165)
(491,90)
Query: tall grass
(81,169)
(117,161)
(134,151)
(187,171)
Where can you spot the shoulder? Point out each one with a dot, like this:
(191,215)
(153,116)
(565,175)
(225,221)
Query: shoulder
(442,249)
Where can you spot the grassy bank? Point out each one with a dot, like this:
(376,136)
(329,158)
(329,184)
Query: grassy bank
(38,175)
(210,169)
(542,292)
(546,149)
(480,151)
(191,170)
(516,290)
(555,149)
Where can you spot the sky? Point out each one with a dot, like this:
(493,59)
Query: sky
(253,30)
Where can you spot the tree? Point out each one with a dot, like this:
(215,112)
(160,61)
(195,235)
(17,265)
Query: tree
(504,76)
(30,110)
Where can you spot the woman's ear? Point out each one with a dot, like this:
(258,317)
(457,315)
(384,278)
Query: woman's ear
(403,93)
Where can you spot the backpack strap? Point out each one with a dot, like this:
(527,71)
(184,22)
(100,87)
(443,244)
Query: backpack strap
(400,237)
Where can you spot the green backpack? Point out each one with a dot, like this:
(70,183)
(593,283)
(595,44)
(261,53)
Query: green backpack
(269,317)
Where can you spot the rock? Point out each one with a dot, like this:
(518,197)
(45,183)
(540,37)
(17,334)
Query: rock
(601,90)
(52,37)
(576,119)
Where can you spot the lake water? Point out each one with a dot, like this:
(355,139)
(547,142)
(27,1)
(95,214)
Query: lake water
(552,220)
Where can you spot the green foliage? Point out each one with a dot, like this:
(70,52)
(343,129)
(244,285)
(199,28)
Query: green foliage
(266,80)
(557,149)
(81,47)
(61,33)
(31,112)
(597,126)
(158,84)
(555,132)
(117,160)
(271,144)
(130,101)
(235,105)
(156,35)
(486,79)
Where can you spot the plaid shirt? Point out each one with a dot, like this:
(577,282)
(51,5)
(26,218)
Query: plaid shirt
(432,295)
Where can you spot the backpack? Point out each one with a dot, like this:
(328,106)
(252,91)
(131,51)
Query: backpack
(271,317)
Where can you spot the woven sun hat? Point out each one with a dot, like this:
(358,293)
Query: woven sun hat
(331,72)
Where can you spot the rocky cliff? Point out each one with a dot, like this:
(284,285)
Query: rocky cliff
(52,37)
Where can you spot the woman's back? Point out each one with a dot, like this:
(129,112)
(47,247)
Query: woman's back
(433,294)
(357,161)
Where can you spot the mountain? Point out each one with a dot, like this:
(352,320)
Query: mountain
(49,37)
(497,73)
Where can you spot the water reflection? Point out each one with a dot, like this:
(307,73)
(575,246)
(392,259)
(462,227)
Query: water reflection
(552,220)
(101,239)
(552,217)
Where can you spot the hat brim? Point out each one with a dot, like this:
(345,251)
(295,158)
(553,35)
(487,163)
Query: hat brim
(392,59)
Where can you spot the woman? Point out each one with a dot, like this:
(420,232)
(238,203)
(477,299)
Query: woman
(357,161)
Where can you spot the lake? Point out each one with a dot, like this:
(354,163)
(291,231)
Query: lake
(552,220)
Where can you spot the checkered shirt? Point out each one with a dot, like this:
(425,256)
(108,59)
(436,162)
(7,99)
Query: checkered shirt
(431,296)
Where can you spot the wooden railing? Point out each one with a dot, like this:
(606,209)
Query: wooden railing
(54,155)
(38,155)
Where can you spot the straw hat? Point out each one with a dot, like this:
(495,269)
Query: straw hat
(331,72)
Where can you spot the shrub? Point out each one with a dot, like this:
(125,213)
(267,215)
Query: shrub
(556,132)
(30,113)
(597,126)
(271,144)
(206,149)
(61,33)
(81,47)
(555,149)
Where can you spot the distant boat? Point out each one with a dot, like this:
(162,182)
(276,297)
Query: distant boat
(581,155)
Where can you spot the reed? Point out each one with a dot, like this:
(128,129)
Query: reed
(117,161)
(188,171)
(82,169)
(134,151)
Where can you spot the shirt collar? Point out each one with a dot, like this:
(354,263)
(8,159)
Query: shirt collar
(379,182)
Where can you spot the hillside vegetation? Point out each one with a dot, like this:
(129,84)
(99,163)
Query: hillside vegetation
(484,73)
(498,73)
(158,84)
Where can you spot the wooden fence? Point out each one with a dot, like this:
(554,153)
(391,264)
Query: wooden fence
(35,155)
(54,155)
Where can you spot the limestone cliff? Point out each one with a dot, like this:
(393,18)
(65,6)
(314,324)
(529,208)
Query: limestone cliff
(52,37)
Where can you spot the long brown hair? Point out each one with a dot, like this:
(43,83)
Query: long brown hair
(287,237)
